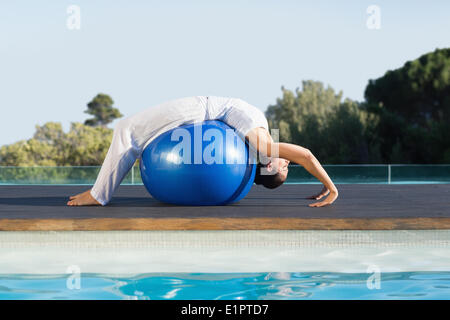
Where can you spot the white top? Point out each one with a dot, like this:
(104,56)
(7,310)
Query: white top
(156,120)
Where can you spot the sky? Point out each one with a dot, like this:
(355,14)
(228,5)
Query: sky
(143,53)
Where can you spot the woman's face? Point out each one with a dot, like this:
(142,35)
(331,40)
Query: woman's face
(281,165)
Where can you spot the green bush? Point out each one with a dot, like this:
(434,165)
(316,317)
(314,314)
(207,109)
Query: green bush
(50,146)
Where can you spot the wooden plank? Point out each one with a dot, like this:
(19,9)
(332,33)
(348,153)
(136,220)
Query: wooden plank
(109,224)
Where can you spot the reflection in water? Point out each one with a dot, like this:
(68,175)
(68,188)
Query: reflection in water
(402,285)
(410,285)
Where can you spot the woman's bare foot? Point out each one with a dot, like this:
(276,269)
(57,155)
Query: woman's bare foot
(83,199)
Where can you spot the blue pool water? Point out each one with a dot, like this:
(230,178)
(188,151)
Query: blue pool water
(230,286)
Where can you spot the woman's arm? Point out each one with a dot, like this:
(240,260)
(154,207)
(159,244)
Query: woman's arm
(263,142)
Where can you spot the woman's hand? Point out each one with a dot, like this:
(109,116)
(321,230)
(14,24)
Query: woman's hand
(320,195)
(332,196)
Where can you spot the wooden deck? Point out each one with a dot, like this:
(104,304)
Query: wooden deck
(359,207)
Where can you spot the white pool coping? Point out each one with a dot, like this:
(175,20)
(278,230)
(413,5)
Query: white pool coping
(137,252)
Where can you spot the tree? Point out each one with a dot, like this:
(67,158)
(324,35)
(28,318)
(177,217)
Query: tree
(83,145)
(418,91)
(344,138)
(413,104)
(292,110)
(102,110)
(316,118)
(51,146)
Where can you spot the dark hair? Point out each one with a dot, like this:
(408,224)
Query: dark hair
(270,181)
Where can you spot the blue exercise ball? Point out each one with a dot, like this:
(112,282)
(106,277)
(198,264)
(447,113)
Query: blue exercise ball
(200,164)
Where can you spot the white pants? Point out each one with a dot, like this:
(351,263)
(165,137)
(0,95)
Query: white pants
(133,134)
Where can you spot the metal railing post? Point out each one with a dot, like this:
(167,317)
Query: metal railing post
(389,174)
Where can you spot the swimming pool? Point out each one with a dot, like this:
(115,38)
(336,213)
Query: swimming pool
(263,264)
(218,286)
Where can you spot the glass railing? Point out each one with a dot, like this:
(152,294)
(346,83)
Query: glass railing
(384,174)
(59,175)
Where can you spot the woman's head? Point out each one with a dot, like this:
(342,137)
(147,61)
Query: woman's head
(273,174)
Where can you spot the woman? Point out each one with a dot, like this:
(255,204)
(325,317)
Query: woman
(133,134)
